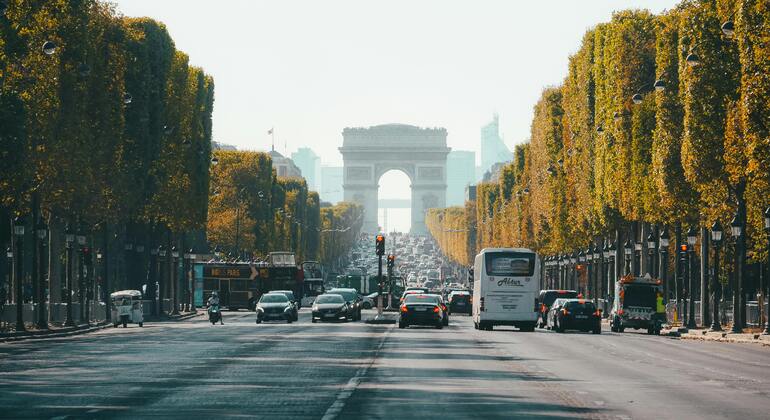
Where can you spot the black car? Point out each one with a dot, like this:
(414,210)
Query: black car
(546,299)
(289,294)
(577,314)
(460,302)
(352,298)
(275,306)
(331,307)
(421,309)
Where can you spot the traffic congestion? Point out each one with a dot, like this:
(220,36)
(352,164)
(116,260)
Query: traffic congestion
(420,287)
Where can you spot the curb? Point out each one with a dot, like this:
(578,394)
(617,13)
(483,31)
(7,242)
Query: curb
(167,318)
(57,333)
(721,337)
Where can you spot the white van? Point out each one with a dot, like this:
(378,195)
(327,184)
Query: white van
(505,288)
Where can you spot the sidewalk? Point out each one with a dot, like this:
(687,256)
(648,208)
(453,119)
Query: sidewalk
(60,331)
(720,336)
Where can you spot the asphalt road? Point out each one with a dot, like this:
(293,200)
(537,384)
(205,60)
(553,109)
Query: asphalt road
(354,370)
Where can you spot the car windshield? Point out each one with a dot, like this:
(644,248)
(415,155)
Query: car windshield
(274,298)
(421,299)
(348,295)
(329,299)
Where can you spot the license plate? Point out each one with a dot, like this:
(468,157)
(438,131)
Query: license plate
(460,303)
(328,315)
(420,309)
(581,316)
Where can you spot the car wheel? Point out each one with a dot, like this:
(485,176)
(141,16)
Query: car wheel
(367,305)
(259,321)
(401,325)
(475,325)
(597,330)
(141,324)
(439,325)
(446,321)
(313,320)
(289,321)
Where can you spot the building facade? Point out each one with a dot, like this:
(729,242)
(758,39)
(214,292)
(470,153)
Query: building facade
(284,167)
(460,172)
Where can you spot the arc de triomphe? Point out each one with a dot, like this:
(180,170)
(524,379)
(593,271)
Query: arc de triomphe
(420,153)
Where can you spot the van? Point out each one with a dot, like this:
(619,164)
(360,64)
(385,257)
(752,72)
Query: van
(505,288)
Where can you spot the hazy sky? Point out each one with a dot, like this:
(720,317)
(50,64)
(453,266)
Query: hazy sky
(311,68)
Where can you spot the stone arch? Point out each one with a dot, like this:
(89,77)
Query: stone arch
(420,153)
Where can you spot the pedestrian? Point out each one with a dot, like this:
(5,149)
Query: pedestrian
(660,308)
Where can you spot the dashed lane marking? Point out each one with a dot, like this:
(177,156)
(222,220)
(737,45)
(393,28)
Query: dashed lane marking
(347,391)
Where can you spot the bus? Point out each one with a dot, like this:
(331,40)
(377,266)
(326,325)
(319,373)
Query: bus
(313,273)
(505,288)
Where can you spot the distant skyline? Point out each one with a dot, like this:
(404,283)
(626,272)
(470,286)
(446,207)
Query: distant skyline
(310,68)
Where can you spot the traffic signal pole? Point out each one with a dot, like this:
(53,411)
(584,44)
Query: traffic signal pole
(379,284)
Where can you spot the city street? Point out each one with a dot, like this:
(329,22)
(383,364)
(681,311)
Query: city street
(355,370)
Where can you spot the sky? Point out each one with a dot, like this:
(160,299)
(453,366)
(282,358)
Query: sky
(310,68)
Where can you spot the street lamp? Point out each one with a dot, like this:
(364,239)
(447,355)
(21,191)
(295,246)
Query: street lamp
(692,238)
(628,249)
(736,229)
(659,85)
(728,29)
(663,248)
(214,161)
(69,239)
(637,99)
(175,280)
(42,321)
(49,48)
(191,257)
(767,231)
(716,289)
(18,231)
(692,59)
(650,252)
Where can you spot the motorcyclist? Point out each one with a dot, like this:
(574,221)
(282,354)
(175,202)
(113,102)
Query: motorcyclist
(214,301)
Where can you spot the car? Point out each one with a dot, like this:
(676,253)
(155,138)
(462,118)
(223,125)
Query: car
(330,307)
(275,306)
(552,310)
(289,294)
(576,314)
(460,302)
(369,301)
(546,299)
(351,297)
(421,309)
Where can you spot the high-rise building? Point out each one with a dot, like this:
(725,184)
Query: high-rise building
(308,163)
(331,184)
(460,172)
(493,150)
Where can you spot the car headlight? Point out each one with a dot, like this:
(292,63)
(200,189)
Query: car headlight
(260,309)
(287,309)
(315,309)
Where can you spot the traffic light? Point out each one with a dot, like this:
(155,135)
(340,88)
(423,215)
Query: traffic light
(380,245)
(391,261)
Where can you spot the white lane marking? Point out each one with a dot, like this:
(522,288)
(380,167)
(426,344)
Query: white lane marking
(339,403)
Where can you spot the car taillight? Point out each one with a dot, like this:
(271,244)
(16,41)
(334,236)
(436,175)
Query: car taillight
(435,309)
(542,309)
(598,312)
(620,312)
(403,309)
(564,312)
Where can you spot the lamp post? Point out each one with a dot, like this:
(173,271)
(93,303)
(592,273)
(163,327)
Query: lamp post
(192,256)
(161,282)
(81,276)
(590,271)
(767,267)
(628,249)
(101,281)
(18,232)
(650,253)
(692,238)
(128,248)
(69,238)
(606,275)
(573,259)
(716,288)
(737,228)
(9,257)
(663,270)
(154,282)
(597,273)
(581,259)
(42,320)
(175,280)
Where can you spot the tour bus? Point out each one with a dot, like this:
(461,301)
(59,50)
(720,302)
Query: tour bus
(505,288)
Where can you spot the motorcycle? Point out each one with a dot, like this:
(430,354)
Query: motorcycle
(215,315)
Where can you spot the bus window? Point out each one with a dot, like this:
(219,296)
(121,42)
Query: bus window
(510,263)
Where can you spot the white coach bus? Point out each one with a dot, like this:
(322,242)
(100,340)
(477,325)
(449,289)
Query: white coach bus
(506,283)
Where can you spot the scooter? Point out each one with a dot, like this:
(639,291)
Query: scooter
(215,315)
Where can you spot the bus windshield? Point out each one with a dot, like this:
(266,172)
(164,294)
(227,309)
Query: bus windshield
(510,263)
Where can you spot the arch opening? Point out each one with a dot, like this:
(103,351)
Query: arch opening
(394,201)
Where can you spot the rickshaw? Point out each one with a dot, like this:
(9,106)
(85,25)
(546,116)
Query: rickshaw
(127,307)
